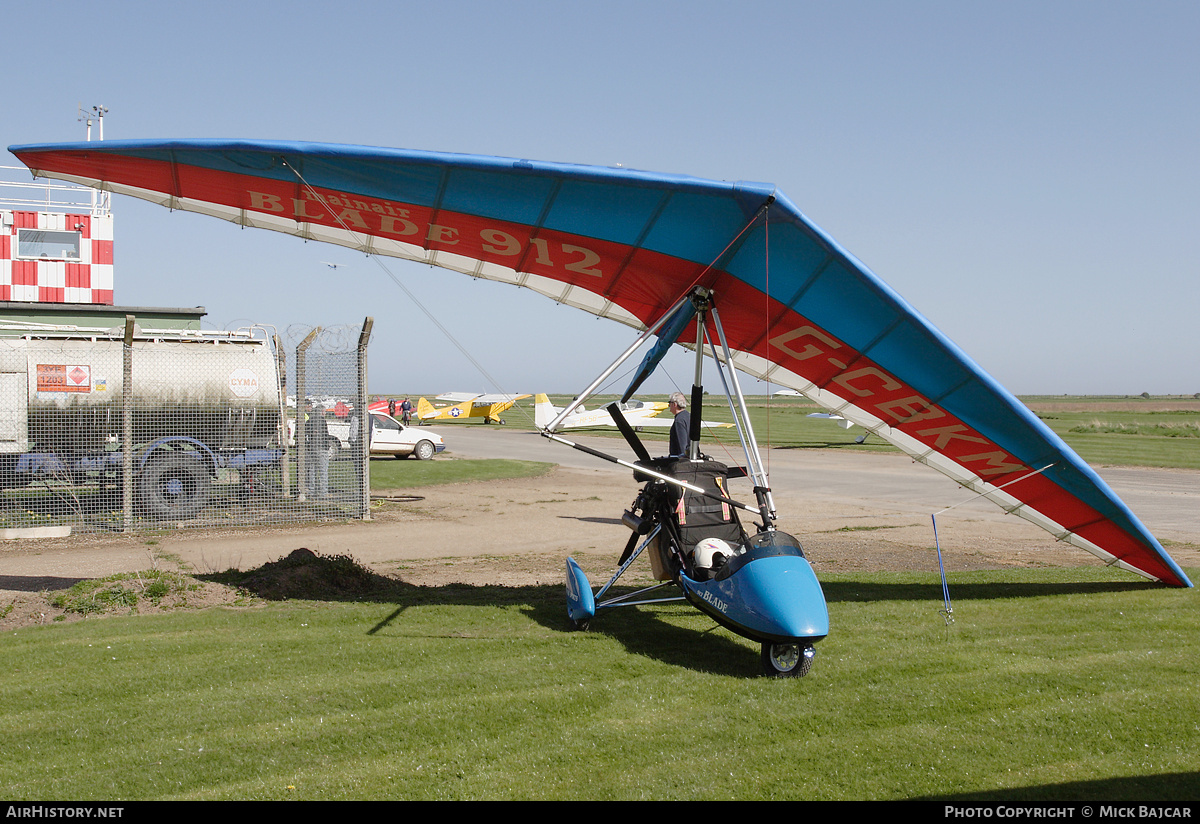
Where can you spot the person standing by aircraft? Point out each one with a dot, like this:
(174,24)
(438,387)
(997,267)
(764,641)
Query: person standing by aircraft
(682,428)
(406,411)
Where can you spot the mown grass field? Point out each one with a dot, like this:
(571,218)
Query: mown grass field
(1132,431)
(1048,685)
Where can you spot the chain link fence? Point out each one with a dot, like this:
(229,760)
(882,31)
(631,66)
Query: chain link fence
(128,429)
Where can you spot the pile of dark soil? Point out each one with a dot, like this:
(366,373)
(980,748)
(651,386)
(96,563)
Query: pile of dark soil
(303,574)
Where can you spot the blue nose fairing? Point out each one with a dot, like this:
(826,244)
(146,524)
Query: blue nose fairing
(768,593)
(581,604)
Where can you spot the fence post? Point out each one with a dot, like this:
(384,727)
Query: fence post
(364,423)
(285,467)
(301,418)
(127,425)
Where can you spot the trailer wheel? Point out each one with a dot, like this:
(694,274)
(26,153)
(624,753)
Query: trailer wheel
(173,486)
(787,660)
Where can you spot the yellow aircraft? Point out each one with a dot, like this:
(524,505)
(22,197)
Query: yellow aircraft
(488,407)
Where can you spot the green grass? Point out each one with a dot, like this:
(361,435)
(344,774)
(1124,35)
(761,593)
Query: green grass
(122,591)
(1131,438)
(1049,685)
(1160,429)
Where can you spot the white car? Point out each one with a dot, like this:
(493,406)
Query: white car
(388,437)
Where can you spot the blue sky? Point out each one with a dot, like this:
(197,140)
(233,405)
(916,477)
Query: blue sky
(1025,174)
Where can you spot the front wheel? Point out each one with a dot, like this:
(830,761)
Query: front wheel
(787,660)
(424,451)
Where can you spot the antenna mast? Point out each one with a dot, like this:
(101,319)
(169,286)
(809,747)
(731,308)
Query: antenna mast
(98,113)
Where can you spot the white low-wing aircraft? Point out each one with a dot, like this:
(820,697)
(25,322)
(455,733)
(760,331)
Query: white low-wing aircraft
(839,420)
(638,413)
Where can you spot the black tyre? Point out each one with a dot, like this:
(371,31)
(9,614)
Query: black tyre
(173,486)
(424,451)
(787,660)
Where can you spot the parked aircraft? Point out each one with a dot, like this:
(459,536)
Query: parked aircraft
(467,405)
(840,421)
(639,414)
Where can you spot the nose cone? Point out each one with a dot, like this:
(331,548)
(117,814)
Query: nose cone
(772,598)
(581,604)
(786,596)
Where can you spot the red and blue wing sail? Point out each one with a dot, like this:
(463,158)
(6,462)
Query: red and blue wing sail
(626,245)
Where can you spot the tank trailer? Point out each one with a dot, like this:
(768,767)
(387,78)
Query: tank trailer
(197,403)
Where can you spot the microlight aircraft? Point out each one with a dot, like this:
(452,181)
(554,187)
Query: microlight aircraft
(797,309)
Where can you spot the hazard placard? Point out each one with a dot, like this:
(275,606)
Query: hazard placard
(58,377)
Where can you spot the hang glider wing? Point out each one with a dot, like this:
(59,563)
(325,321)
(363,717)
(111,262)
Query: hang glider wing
(626,245)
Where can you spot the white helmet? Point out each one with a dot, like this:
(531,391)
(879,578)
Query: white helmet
(707,551)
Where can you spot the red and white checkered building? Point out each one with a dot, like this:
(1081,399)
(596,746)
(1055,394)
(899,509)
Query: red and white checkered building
(56,257)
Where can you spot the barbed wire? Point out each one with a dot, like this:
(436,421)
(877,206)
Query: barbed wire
(334,340)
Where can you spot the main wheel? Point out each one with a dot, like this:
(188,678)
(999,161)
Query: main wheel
(787,660)
(424,451)
(173,486)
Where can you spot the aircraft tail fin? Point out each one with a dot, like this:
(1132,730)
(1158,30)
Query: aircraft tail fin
(425,409)
(543,412)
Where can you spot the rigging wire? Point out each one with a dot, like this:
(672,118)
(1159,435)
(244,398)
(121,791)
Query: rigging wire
(767,322)
(412,297)
(762,210)
(947,610)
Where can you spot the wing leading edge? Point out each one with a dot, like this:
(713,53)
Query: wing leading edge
(626,245)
